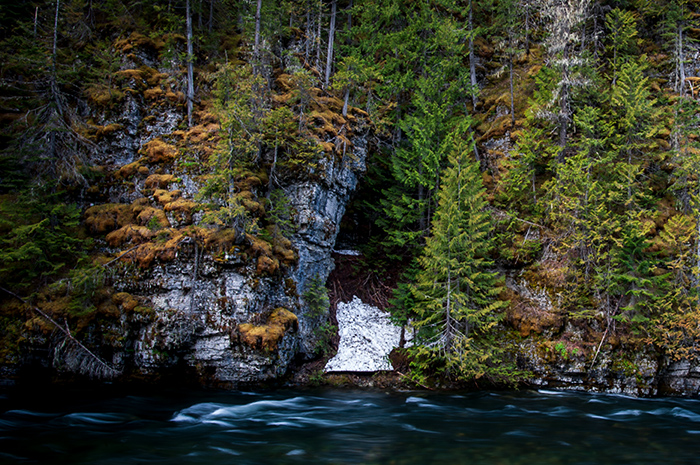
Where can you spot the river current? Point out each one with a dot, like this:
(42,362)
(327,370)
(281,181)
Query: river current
(349,427)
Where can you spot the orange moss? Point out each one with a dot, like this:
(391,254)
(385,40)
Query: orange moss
(259,247)
(153,215)
(202,133)
(163,196)
(281,246)
(205,116)
(248,183)
(175,97)
(153,94)
(138,205)
(268,336)
(102,131)
(127,171)
(254,207)
(103,218)
(219,241)
(134,75)
(127,301)
(164,248)
(129,233)
(332,103)
(267,265)
(284,82)
(159,151)
(102,95)
(327,147)
(158,181)
(134,40)
(180,205)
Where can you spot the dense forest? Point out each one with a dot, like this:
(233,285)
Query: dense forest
(532,171)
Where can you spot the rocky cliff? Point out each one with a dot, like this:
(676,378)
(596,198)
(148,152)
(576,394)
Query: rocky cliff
(223,303)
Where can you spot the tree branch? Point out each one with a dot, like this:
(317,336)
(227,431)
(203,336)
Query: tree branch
(65,331)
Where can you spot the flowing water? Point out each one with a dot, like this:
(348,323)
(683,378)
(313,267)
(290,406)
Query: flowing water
(349,427)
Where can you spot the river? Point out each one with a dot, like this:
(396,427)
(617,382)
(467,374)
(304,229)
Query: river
(347,427)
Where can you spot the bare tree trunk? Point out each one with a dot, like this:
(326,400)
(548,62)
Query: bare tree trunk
(563,120)
(331,37)
(256,50)
(527,28)
(346,99)
(472,58)
(54,72)
(55,39)
(190,70)
(681,61)
(512,96)
(211,15)
(308,34)
(199,15)
(696,278)
(318,35)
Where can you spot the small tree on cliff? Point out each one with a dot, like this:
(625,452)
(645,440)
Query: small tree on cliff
(456,296)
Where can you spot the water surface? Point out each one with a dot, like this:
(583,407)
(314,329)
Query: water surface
(350,427)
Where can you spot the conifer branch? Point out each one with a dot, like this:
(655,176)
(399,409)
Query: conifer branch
(66,331)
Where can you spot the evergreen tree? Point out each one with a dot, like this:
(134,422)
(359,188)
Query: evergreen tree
(456,296)
(622,31)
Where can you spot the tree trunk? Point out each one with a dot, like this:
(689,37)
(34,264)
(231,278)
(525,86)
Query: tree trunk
(527,29)
(564,105)
(55,40)
(318,35)
(512,96)
(331,37)
(211,15)
(696,278)
(563,120)
(190,70)
(472,58)
(308,35)
(54,72)
(681,61)
(256,49)
(346,99)
(273,173)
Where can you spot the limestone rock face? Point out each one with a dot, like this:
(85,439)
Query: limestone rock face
(199,302)
(367,336)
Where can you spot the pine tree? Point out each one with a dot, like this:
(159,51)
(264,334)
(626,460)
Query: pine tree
(622,31)
(634,113)
(456,296)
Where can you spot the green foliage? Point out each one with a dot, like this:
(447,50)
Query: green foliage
(633,112)
(316,297)
(457,305)
(622,33)
(280,212)
(317,302)
(39,240)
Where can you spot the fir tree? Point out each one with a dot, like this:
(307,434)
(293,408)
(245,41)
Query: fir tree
(456,296)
